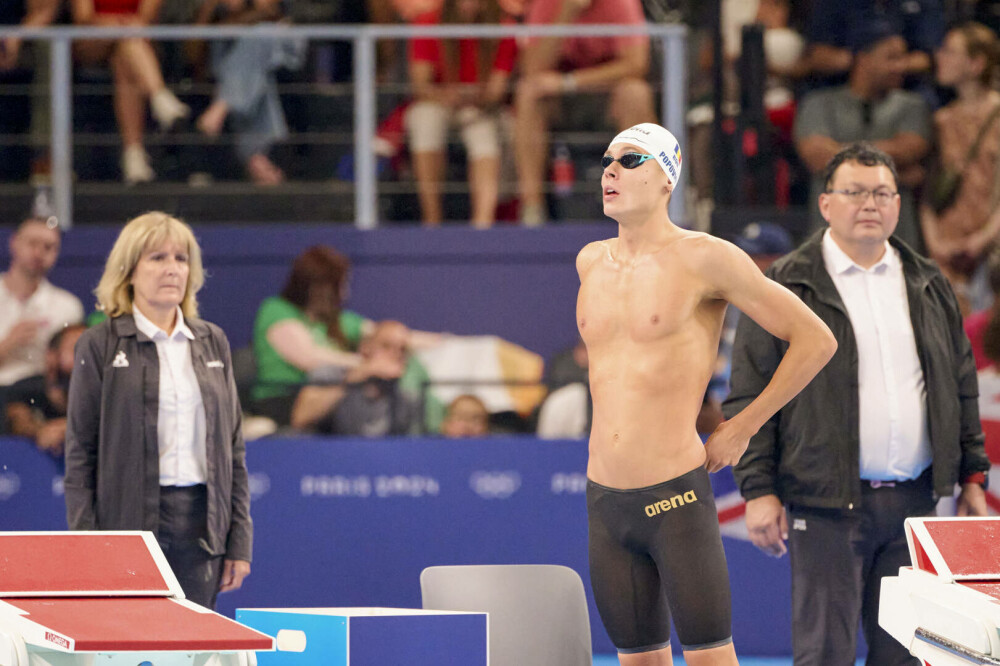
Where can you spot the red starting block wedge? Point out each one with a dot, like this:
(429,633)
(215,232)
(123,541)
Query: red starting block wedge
(946,608)
(66,596)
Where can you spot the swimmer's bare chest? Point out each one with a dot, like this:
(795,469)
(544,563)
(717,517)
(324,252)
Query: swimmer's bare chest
(652,336)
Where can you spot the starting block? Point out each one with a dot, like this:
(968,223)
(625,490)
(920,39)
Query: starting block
(67,598)
(946,607)
(370,636)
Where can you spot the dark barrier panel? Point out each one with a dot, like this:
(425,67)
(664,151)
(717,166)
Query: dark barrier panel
(517,283)
(353,522)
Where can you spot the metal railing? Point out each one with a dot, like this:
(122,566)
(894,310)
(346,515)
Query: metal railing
(363,38)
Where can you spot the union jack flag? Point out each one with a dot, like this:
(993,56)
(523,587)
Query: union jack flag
(730,505)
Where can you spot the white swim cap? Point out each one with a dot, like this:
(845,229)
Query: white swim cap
(659,143)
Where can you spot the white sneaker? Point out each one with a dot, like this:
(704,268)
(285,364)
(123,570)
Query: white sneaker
(135,166)
(167,109)
(532,215)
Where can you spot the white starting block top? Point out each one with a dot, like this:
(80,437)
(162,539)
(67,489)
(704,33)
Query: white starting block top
(107,592)
(946,608)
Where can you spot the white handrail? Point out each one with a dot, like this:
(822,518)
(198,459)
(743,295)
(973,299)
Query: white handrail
(363,38)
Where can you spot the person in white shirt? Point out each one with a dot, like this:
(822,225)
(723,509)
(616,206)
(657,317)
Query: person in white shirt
(32,309)
(890,424)
(154,429)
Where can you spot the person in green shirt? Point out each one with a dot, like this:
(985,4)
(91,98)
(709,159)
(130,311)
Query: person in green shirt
(305,335)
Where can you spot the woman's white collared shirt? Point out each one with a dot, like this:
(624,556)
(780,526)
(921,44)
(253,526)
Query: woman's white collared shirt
(180,426)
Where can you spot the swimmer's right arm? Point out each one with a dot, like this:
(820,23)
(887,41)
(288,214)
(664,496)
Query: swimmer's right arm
(778,311)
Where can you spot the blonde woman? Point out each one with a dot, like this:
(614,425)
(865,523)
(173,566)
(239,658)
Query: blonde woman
(154,439)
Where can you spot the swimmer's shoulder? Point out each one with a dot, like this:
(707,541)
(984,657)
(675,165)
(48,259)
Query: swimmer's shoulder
(590,254)
(704,252)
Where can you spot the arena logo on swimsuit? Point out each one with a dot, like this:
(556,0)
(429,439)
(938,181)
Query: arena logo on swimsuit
(666,505)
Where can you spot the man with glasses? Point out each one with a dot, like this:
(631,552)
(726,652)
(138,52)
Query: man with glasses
(887,427)
(650,310)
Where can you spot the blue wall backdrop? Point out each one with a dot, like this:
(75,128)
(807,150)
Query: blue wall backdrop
(517,283)
(343,522)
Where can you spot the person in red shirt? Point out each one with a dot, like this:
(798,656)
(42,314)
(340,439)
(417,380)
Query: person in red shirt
(463,83)
(137,76)
(553,67)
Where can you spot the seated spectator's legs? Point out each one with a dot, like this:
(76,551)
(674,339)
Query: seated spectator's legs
(247,89)
(532,114)
(137,76)
(632,103)
(427,129)
(256,133)
(138,62)
(130,113)
(482,146)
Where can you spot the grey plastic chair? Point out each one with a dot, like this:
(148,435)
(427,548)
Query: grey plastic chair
(537,612)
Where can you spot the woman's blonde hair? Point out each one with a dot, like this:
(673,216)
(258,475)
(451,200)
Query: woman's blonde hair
(141,234)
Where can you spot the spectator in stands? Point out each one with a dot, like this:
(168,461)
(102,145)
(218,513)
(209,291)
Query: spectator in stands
(36,406)
(466,416)
(566,413)
(32,309)
(246,90)
(837,26)
(137,76)
(370,402)
(958,233)
(567,409)
(26,13)
(783,49)
(17,67)
(408,10)
(554,68)
(154,436)
(566,367)
(305,334)
(304,330)
(461,83)
(983,326)
(870,107)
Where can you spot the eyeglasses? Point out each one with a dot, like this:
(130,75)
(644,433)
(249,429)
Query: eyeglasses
(628,160)
(882,197)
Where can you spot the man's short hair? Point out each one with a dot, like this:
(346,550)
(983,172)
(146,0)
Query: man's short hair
(863,153)
(872,30)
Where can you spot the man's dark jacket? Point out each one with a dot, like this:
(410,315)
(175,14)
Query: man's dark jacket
(112,452)
(807,454)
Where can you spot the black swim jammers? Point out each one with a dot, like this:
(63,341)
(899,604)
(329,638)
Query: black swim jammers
(656,551)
